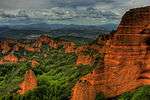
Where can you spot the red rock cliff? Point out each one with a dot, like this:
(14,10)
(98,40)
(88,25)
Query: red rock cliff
(126,60)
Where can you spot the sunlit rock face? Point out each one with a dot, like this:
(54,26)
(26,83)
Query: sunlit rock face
(126,61)
(29,83)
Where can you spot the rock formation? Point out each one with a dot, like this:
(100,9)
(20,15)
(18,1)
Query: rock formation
(126,61)
(30,49)
(85,60)
(5,47)
(10,58)
(81,49)
(69,47)
(44,39)
(53,44)
(34,63)
(29,83)
(37,44)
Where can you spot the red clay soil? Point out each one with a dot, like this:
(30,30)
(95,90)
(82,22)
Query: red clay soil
(126,61)
(29,83)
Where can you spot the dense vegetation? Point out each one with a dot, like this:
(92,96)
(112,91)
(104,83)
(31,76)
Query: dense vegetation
(56,74)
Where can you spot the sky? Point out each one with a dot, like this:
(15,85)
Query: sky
(86,12)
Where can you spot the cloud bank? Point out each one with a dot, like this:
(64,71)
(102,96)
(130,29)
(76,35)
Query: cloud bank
(68,11)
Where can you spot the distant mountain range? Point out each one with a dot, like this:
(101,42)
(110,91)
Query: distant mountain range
(54,30)
(47,27)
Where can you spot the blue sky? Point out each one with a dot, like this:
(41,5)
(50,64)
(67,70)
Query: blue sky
(87,12)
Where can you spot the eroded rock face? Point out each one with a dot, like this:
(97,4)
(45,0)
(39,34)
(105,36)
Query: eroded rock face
(83,90)
(126,61)
(29,83)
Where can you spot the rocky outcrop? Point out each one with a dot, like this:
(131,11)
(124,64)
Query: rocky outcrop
(34,63)
(85,60)
(44,39)
(83,90)
(126,60)
(81,49)
(32,49)
(88,55)
(5,47)
(69,47)
(37,44)
(29,83)
(10,58)
(53,44)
